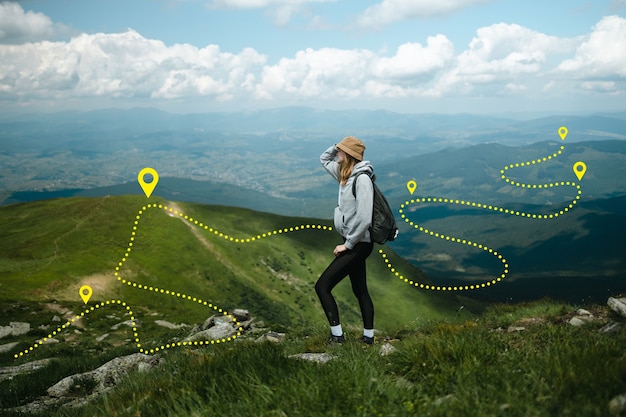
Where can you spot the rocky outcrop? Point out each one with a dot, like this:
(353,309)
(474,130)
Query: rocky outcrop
(8,372)
(220,327)
(313,357)
(15,328)
(90,384)
(581,318)
(107,375)
(78,389)
(618,305)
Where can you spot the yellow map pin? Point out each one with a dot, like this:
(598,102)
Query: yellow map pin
(148,187)
(579,169)
(411,185)
(563,132)
(85,293)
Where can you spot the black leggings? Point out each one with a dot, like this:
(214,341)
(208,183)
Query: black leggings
(352,263)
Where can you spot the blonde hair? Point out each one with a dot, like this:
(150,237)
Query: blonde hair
(346,168)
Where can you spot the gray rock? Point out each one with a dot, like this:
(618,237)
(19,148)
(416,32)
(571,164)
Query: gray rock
(219,320)
(583,312)
(8,372)
(7,347)
(274,337)
(240,314)
(102,337)
(617,406)
(618,305)
(210,322)
(313,357)
(513,329)
(15,328)
(387,349)
(220,331)
(169,325)
(128,323)
(106,376)
(20,328)
(577,322)
(611,328)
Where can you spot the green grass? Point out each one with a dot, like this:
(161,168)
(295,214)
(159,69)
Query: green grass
(440,368)
(449,362)
(53,246)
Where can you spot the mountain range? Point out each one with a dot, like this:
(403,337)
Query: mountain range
(268,161)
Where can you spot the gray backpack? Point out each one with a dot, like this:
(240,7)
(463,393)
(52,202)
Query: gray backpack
(383,228)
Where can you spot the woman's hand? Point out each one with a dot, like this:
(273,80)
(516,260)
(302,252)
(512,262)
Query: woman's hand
(339,249)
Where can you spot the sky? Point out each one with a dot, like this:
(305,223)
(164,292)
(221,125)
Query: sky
(408,56)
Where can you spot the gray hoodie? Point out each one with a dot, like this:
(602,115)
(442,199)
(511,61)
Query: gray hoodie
(353,216)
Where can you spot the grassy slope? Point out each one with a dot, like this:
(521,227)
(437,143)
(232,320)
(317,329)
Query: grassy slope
(443,367)
(53,247)
(439,369)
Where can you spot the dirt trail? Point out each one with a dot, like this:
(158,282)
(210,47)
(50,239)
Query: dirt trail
(195,230)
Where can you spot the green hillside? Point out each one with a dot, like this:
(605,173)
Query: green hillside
(51,248)
(524,359)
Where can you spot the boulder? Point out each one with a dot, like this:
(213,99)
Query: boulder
(106,376)
(219,331)
(273,337)
(167,324)
(240,314)
(313,357)
(128,323)
(611,328)
(15,328)
(618,305)
(577,322)
(617,406)
(8,372)
(387,349)
(7,347)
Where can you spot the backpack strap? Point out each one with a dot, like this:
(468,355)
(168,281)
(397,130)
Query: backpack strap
(372,177)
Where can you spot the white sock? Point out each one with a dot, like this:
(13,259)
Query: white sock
(336,330)
(368,332)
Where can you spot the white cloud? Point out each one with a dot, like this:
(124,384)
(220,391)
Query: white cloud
(317,73)
(123,65)
(18,26)
(389,11)
(348,74)
(603,53)
(413,59)
(500,53)
(605,86)
(502,60)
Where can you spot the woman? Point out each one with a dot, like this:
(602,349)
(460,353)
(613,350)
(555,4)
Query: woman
(353,217)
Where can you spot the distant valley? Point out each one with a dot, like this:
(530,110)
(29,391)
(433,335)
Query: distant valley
(268,161)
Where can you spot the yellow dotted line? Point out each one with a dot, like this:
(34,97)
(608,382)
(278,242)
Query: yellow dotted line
(442,236)
(432,287)
(508,180)
(78,317)
(187,297)
(494,208)
(237,239)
